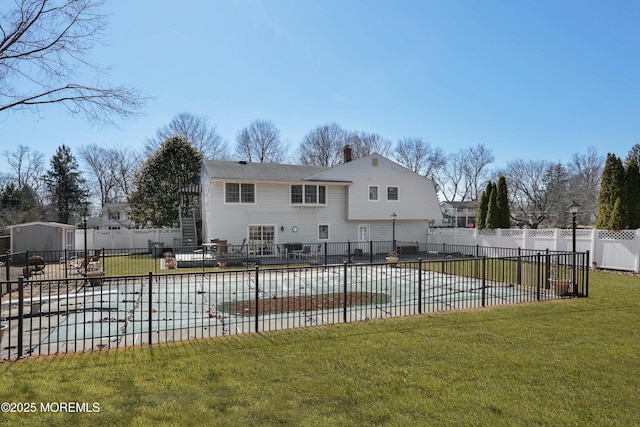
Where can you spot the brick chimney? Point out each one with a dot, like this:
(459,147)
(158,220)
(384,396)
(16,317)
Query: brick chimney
(347,153)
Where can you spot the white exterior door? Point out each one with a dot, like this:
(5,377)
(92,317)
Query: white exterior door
(363,232)
(262,239)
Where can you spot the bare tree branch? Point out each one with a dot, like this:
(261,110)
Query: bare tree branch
(44,46)
(260,142)
(197,131)
(323,145)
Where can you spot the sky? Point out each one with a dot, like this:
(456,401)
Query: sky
(532,80)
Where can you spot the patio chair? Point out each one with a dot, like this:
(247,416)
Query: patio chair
(306,251)
(241,246)
(89,261)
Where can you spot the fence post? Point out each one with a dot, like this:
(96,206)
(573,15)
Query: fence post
(519,267)
(7,268)
(326,247)
(257,296)
(484,280)
(344,284)
(538,275)
(547,264)
(349,251)
(20,314)
(586,274)
(419,285)
(150,307)
(371,251)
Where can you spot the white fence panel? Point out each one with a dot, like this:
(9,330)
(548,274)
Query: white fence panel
(616,250)
(127,238)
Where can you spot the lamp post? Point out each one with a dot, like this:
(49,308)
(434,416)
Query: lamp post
(393,230)
(573,208)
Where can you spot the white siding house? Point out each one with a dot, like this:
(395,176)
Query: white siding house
(268,203)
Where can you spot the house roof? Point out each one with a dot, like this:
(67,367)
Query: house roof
(273,172)
(470,204)
(116,207)
(48,224)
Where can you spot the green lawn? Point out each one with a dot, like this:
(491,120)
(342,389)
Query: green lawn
(569,362)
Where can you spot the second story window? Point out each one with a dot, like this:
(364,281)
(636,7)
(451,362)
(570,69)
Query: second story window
(373,192)
(392,193)
(308,194)
(235,192)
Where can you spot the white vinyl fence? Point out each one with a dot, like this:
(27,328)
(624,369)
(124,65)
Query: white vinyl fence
(616,250)
(127,238)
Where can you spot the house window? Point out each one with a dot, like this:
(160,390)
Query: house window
(311,194)
(392,193)
(239,193)
(323,232)
(308,194)
(296,194)
(373,193)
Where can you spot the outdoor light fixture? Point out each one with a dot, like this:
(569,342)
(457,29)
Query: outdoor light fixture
(282,228)
(573,208)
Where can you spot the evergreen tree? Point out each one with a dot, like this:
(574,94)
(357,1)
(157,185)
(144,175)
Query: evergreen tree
(617,218)
(493,215)
(612,188)
(64,185)
(483,207)
(634,153)
(159,182)
(632,190)
(502,200)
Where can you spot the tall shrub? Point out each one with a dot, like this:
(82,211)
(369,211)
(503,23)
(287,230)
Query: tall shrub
(632,190)
(502,200)
(483,207)
(611,189)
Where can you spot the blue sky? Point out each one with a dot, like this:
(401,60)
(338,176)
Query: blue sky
(534,80)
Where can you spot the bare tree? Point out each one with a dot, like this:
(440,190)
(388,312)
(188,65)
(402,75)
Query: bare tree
(260,142)
(475,164)
(196,130)
(465,173)
(451,180)
(585,171)
(44,45)
(27,167)
(127,162)
(365,143)
(100,163)
(534,189)
(418,155)
(111,171)
(323,145)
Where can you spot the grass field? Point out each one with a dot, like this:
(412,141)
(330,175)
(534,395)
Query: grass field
(567,362)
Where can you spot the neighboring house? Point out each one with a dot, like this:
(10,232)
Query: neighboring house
(116,216)
(42,236)
(270,204)
(460,214)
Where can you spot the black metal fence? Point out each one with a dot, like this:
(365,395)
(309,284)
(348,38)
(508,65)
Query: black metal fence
(70,264)
(48,316)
